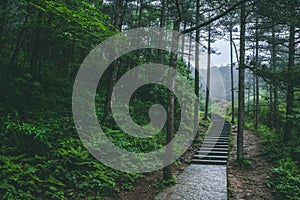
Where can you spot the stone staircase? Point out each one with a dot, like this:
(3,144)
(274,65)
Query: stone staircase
(214,150)
(206,177)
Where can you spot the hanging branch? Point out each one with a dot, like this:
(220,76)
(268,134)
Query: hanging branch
(215,18)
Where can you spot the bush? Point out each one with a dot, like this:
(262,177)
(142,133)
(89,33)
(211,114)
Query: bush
(285,180)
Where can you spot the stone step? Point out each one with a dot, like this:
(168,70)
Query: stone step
(213,149)
(214,137)
(210,157)
(215,143)
(226,132)
(216,140)
(211,152)
(224,135)
(209,162)
(215,146)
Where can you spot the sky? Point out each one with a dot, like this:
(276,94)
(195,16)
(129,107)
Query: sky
(224,58)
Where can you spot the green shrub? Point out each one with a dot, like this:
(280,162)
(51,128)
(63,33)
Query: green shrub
(160,184)
(285,180)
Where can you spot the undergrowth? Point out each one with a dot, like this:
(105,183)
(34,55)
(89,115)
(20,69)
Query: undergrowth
(284,180)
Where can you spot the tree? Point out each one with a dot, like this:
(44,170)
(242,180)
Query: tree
(256,77)
(231,73)
(162,24)
(118,23)
(167,173)
(290,82)
(241,118)
(208,72)
(280,75)
(197,64)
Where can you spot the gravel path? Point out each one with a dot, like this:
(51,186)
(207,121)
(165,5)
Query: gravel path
(198,182)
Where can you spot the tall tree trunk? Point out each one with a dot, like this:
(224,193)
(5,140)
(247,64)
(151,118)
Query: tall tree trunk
(3,22)
(257,102)
(19,43)
(167,171)
(231,75)
(271,114)
(241,109)
(163,14)
(197,65)
(162,25)
(290,86)
(190,51)
(256,77)
(183,44)
(118,21)
(253,83)
(118,18)
(36,48)
(248,94)
(254,93)
(208,74)
(271,118)
(275,82)
(140,18)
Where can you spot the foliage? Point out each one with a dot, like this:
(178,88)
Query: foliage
(33,166)
(160,184)
(243,163)
(267,135)
(285,180)
(41,155)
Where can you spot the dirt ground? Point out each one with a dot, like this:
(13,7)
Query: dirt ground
(249,182)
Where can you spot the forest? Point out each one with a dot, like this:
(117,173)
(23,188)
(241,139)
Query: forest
(44,44)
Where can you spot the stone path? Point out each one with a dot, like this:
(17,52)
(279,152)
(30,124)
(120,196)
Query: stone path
(206,179)
(198,182)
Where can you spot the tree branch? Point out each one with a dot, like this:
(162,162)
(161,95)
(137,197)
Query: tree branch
(215,18)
